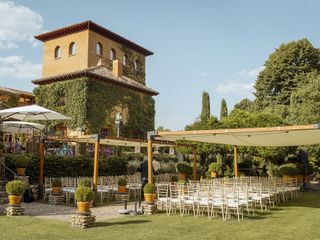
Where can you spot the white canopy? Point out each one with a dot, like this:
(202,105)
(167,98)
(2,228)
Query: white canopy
(21,127)
(269,136)
(31,113)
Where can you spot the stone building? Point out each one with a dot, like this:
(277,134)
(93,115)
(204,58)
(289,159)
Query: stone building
(90,73)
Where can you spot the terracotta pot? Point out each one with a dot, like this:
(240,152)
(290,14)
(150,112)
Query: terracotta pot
(182,176)
(56,189)
(214,174)
(21,171)
(83,206)
(14,199)
(149,197)
(290,177)
(121,189)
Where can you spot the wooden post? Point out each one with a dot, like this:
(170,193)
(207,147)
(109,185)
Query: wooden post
(194,165)
(235,163)
(96,163)
(150,177)
(41,174)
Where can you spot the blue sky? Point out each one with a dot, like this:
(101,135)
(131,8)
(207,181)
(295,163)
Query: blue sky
(216,46)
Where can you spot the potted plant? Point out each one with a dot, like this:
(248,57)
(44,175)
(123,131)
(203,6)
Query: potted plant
(289,171)
(85,183)
(183,169)
(122,183)
(56,185)
(15,189)
(84,196)
(174,179)
(21,164)
(214,169)
(149,192)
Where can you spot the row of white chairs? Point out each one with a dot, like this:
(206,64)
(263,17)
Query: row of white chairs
(225,197)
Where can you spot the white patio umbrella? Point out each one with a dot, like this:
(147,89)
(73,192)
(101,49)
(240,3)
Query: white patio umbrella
(31,113)
(21,127)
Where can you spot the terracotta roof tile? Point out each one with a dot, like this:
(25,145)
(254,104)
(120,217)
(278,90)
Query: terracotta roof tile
(99,73)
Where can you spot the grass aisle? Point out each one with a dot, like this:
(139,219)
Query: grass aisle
(298,220)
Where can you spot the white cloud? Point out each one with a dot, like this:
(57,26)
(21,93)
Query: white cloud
(18,67)
(234,87)
(18,24)
(202,74)
(252,73)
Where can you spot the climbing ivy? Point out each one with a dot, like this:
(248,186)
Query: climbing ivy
(129,71)
(91,105)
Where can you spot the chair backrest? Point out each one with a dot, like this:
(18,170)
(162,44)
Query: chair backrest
(162,190)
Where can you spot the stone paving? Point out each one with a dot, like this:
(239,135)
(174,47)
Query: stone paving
(64,213)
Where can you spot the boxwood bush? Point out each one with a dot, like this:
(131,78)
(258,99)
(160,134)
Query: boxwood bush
(15,187)
(122,182)
(149,188)
(184,168)
(84,194)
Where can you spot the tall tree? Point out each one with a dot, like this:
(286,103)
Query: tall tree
(245,104)
(223,109)
(282,73)
(205,112)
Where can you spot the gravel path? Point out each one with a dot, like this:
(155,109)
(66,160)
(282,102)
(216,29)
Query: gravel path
(64,213)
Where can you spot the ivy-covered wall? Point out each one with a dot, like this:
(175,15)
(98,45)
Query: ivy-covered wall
(90,105)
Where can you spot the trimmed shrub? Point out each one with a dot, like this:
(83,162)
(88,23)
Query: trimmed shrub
(174,178)
(184,168)
(15,187)
(122,182)
(169,167)
(289,169)
(84,194)
(56,182)
(214,167)
(149,188)
(85,183)
(22,161)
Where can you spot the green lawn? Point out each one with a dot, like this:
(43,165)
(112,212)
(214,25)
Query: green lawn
(298,220)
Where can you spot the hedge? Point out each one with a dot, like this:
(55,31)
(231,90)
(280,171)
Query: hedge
(57,166)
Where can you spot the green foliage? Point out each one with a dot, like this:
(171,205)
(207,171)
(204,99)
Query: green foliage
(289,169)
(214,167)
(282,70)
(15,187)
(84,194)
(85,183)
(86,98)
(223,109)
(149,188)
(174,178)
(244,119)
(133,167)
(167,167)
(305,102)
(1,145)
(205,112)
(183,167)
(245,105)
(21,161)
(273,170)
(56,182)
(80,166)
(122,182)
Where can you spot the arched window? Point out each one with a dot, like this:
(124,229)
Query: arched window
(57,52)
(124,60)
(99,49)
(72,48)
(112,54)
(136,65)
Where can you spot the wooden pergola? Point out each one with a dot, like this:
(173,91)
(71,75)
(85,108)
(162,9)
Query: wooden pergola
(262,137)
(110,141)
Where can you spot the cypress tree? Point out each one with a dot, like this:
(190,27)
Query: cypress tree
(223,109)
(205,112)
